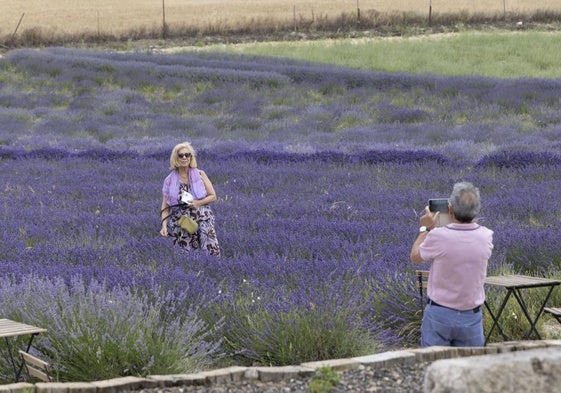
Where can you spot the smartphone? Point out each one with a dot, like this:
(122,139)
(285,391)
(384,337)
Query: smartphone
(440,205)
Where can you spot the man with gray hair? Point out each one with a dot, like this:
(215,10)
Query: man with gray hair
(459,253)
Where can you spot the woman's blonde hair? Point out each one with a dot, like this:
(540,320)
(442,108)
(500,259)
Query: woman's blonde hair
(174,159)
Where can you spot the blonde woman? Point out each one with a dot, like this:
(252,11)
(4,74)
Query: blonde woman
(187,192)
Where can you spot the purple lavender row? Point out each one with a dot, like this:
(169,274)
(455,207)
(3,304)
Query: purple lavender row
(291,229)
(88,99)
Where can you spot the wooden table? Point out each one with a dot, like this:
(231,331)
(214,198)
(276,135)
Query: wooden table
(12,329)
(513,285)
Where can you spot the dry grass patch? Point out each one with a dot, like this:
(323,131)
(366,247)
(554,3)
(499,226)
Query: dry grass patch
(118,16)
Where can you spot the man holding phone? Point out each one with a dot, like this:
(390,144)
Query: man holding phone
(459,252)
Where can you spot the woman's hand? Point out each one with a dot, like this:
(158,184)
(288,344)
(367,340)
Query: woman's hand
(164,230)
(195,204)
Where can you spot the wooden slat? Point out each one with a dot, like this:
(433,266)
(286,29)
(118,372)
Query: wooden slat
(520,281)
(553,310)
(33,360)
(10,328)
(43,376)
(421,278)
(36,367)
(421,282)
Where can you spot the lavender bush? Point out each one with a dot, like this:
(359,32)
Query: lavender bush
(321,173)
(96,332)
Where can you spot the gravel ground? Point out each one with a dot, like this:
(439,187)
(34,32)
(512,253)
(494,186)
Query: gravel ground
(399,379)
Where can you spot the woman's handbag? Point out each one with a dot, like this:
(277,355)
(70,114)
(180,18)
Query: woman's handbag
(188,224)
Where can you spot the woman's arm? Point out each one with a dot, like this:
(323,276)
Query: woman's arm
(164,211)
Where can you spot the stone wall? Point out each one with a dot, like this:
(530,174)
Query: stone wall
(495,367)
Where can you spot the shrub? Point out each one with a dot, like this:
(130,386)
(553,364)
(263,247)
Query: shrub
(273,331)
(98,333)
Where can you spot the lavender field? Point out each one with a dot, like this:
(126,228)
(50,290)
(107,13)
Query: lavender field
(321,173)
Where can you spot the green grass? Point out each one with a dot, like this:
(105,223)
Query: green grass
(325,379)
(535,54)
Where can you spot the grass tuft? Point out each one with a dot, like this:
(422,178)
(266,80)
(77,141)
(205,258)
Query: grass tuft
(324,380)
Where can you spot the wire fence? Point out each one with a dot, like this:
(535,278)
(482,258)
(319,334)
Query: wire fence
(115,17)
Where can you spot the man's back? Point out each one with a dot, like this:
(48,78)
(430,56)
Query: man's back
(459,254)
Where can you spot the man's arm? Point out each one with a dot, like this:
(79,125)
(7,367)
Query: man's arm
(428,220)
(415,256)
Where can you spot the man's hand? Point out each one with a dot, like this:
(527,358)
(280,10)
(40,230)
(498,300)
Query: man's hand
(428,219)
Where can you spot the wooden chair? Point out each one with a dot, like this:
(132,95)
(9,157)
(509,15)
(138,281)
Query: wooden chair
(554,311)
(36,367)
(421,281)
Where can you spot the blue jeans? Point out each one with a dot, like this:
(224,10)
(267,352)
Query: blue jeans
(446,327)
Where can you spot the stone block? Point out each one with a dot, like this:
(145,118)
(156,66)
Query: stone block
(335,364)
(251,374)
(491,350)
(513,346)
(66,387)
(430,354)
(19,387)
(552,343)
(471,351)
(123,384)
(275,374)
(387,359)
(172,380)
(224,375)
(530,371)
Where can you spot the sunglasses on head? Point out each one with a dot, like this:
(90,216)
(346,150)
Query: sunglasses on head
(183,155)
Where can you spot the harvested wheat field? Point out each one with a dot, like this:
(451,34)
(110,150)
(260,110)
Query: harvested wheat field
(116,16)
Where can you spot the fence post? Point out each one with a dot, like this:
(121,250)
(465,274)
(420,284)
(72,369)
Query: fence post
(357,12)
(164,19)
(17,27)
(294,18)
(98,27)
(430,13)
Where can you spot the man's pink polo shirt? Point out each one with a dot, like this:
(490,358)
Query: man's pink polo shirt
(459,254)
